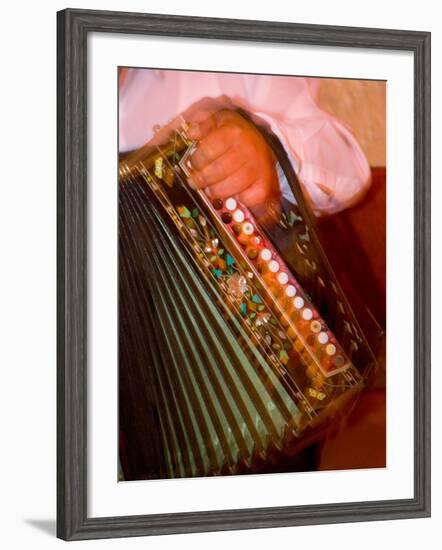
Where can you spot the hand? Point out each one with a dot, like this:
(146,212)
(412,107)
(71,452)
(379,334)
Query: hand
(232,158)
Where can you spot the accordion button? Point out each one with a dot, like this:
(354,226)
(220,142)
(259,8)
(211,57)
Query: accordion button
(274,266)
(226,217)
(315,326)
(307,314)
(291,291)
(311,340)
(242,238)
(231,204)
(247,228)
(217,204)
(330,349)
(323,337)
(238,216)
(266,254)
(338,361)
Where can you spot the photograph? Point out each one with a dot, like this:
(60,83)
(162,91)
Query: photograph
(217,298)
(251,274)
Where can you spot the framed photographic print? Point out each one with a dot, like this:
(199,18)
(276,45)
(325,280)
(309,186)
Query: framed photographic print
(243,274)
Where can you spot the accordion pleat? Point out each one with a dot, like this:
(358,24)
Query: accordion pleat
(215,404)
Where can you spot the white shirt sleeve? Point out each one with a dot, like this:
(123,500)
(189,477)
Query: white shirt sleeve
(330,165)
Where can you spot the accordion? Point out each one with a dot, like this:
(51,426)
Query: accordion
(237,346)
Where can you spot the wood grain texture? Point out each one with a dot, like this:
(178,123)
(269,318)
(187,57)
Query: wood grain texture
(73,26)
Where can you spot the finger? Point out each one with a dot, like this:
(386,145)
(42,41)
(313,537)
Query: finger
(202,109)
(199,129)
(255,194)
(213,146)
(232,185)
(222,167)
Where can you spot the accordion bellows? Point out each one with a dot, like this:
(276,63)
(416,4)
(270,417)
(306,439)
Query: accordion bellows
(221,370)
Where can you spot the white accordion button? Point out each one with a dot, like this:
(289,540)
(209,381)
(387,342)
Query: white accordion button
(307,314)
(238,216)
(274,266)
(247,228)
(266,254)
(231,204)
(290,291)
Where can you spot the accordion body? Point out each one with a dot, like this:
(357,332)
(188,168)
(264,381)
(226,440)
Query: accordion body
(237,346)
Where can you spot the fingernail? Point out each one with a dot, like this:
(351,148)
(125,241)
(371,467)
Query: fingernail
(192,132)
(196,180)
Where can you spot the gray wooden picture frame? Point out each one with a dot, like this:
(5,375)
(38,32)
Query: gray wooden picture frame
(73,27)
